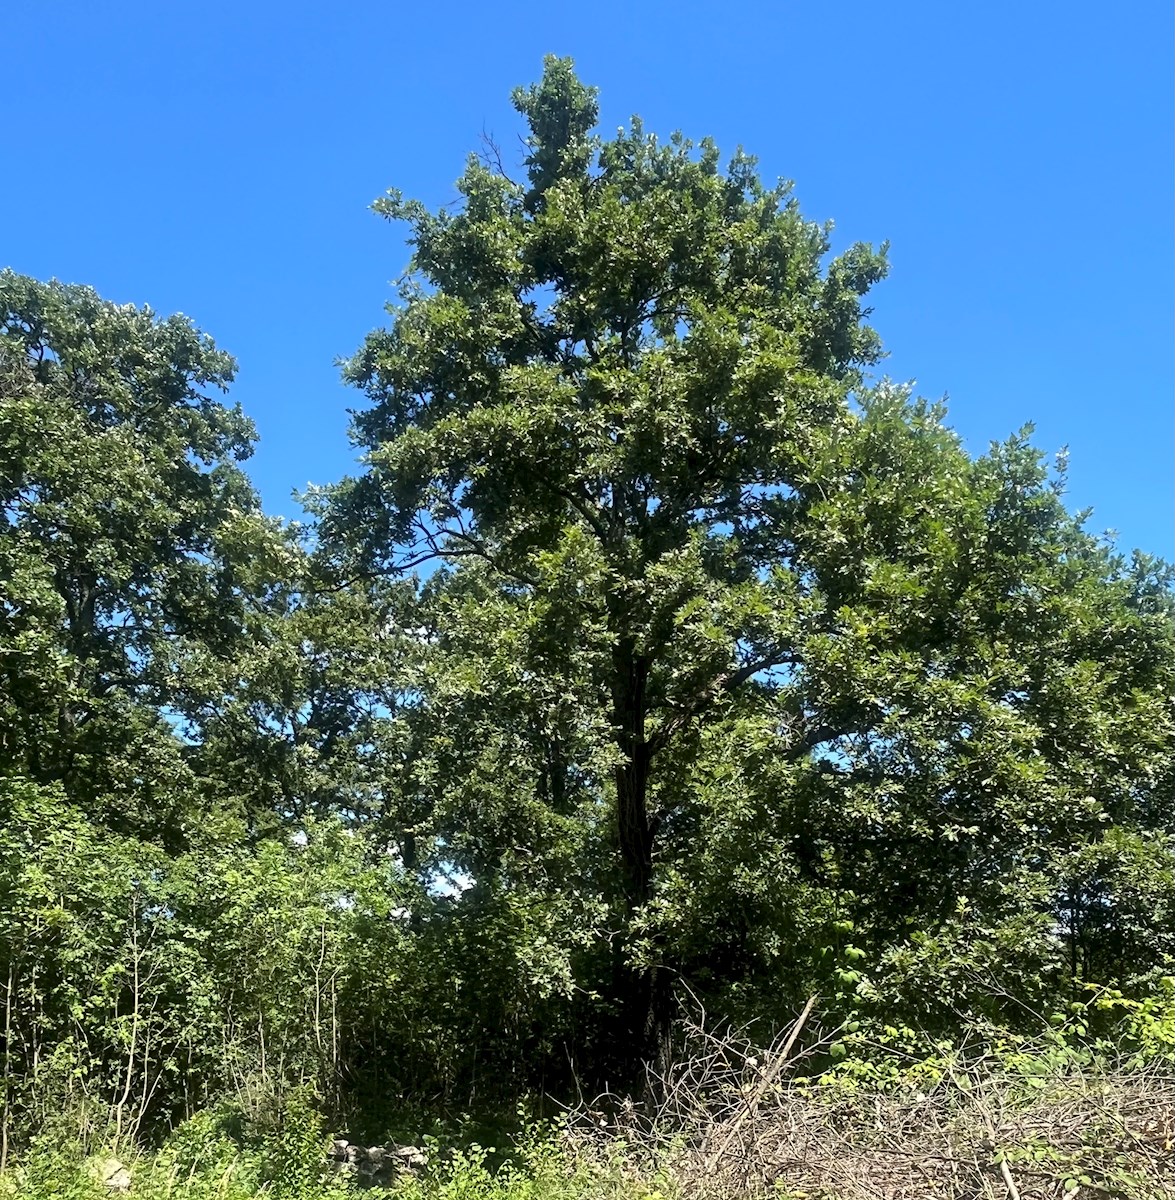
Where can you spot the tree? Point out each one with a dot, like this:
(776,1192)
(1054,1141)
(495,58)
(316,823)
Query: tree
(187,911)
(623,405)
(127,532)
(294,725)
(620,374)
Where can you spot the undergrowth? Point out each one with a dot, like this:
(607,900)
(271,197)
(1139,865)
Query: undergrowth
(1064,1116)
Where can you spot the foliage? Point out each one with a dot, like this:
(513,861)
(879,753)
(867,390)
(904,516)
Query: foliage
(660,652)
(125,520)
(142,987)
(1053,1128)
(728,644)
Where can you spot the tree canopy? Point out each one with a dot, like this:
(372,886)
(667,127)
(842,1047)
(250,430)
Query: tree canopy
(624,401)
(126,525)
(661,650)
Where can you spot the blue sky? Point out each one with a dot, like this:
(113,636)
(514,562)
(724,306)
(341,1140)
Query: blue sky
(218,159)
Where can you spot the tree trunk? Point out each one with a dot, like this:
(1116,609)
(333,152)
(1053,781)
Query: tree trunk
(634,831)
(644,993)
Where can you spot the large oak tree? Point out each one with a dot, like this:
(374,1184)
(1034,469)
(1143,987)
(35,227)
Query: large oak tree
(623,401)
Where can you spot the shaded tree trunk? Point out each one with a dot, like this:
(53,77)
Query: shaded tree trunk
(644,993)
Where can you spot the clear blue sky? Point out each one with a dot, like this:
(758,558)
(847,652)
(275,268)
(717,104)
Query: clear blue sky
(218,159)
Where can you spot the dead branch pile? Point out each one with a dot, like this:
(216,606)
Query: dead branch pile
(736,1124)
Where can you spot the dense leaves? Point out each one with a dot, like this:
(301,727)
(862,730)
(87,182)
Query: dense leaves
(660,650)
(773,644)
(125,516)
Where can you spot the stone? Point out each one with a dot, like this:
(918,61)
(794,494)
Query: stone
(412,1157)
(112,1174)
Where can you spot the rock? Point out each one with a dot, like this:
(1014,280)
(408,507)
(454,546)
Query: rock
(412,1157)
(111,1174)
(375,1162)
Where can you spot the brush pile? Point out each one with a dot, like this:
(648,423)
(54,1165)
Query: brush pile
(735,1124)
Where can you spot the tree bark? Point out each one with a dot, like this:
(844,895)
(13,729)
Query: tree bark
(644,992)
